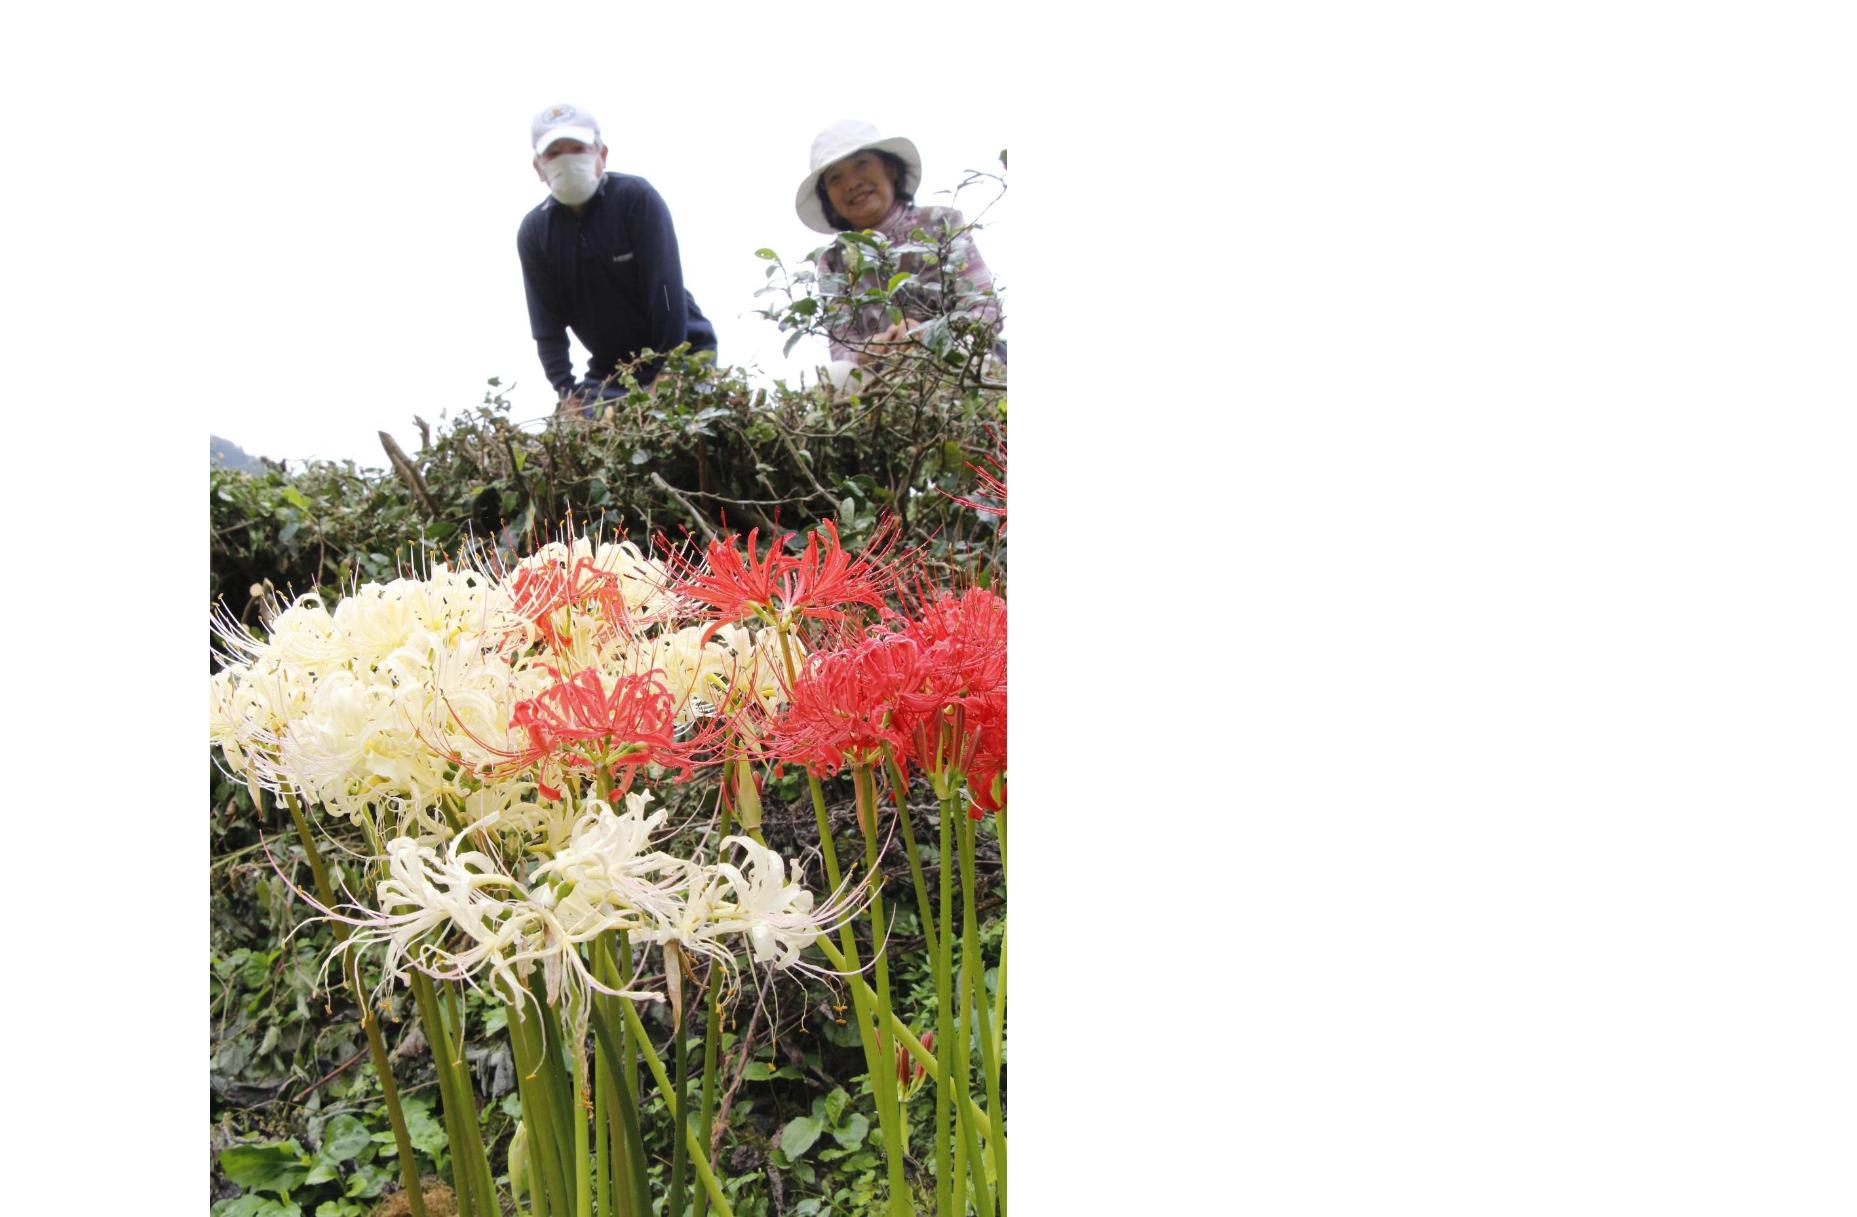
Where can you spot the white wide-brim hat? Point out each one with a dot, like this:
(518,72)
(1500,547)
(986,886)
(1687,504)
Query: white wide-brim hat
(834,144)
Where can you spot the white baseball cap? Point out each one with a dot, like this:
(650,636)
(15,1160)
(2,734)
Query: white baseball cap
(834,144)
(563,122)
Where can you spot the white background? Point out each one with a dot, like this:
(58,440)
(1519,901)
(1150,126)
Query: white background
(1432,515)
(359,263)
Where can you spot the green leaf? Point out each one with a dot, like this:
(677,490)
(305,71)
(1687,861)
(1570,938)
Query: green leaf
(344,1138)
(835,1104)
(422,1128)
(769,254)
(799,1134)
(854,1131)
(257,1206)
(340,1208)
(276,1166)
(793,342)
(897,280)
(368,1181)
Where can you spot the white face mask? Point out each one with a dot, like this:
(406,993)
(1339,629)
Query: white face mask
(573,179)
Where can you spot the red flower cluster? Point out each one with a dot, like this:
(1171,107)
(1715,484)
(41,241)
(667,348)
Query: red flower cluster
(932,692)
(580,723)
(845,706)
(818,583)
(963,643)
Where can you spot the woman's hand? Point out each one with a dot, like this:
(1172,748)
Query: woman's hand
(896,335)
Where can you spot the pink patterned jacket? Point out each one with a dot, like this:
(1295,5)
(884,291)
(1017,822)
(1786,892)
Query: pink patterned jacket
(903,219)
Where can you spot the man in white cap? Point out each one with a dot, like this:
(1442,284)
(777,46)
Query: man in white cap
(599,257)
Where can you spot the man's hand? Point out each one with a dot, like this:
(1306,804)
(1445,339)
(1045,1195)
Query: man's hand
(571,403)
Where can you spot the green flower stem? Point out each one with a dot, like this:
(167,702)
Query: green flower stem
(680,1063)
(631,1193)
(999,1003)
(923,908)
(963,1035)
(619,960)
(537,1205)
(451,1010)
(903,1034)
(583,1168)
(999,990)
(862,999)
(559,1089)
(602,1147)
(949,1198)
(712,1037)
(953,1048)
(370,1026)
(539,1198)
(884,1082)
(463,1181)
(957,1182)
(717,1200)
(538,1114)
(833,875)
(970,943)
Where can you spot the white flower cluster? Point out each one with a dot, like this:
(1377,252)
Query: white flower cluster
(400,699)
(368,705)
(461,913)
(397,711)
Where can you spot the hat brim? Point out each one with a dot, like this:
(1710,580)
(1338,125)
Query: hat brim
(585,135)
(806,198)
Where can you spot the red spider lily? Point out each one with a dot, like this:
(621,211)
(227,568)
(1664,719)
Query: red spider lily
(844,707)
(540,592)
(963,639)
(956,709)
(991,477)
(583,722)
(986,768)
(825,577)
(728,584)
(778,586)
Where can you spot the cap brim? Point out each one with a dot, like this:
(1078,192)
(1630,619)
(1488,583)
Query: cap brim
(806,198)
(554,135)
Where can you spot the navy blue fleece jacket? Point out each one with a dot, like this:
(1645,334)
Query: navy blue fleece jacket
(610,274)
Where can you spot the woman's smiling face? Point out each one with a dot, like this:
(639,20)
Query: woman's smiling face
(860,189)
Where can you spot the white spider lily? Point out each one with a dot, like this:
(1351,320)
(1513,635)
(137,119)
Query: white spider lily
(454,914)
(776,915)
(610,879)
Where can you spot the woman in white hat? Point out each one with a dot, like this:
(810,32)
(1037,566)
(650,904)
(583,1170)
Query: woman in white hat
(862,179)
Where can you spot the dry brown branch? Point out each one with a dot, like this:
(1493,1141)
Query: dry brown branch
(409,475)
(708,532)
